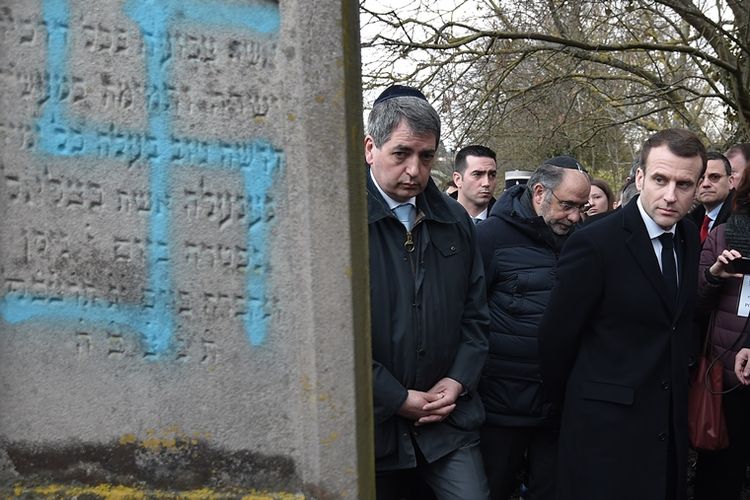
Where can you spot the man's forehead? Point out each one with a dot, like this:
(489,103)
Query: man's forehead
(485,165)
(738,155)
(715,166)
(405,146)
(480,162)
(671,171)
(403,136)
(574,183)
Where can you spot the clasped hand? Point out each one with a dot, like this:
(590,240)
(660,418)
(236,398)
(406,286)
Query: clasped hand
(434,405)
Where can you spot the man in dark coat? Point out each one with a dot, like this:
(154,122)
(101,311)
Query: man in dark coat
(520,243)
(715,195)
(614,339)
(475,177)
(429,311)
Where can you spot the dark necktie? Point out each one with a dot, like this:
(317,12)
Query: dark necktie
(704,227)
(668,266)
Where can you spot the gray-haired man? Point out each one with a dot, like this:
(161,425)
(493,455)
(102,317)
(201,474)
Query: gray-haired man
(429,312)
(520,244)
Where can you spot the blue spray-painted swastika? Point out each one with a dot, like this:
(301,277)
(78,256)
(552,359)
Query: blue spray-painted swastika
(258,161)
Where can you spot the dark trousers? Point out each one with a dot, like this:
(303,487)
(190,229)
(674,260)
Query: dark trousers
(720,474)
(506,449)
(457,476)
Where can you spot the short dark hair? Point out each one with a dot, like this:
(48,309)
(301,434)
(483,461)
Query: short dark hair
(715,155)
(680,141)
(459,165)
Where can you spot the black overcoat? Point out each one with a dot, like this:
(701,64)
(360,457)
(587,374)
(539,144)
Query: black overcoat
(615,351)
(429,321)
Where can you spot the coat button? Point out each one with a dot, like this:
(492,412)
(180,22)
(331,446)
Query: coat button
(662,436)
(665,385)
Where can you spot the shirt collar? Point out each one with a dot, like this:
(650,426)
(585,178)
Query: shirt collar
(654,230)
(390,201)
(482,215)
(714,212)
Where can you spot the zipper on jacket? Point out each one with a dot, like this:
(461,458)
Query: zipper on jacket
(409,243)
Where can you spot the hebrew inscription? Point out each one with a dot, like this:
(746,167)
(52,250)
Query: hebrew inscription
(154,227)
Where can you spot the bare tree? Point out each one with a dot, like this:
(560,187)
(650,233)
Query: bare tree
(590,78)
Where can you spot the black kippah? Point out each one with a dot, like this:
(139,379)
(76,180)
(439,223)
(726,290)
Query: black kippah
(565,162)
(399,91)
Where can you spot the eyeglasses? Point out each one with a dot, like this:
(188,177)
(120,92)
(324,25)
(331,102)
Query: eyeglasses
(713,178)
(569,206)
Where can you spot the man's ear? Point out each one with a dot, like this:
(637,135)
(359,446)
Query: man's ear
(457,179)
(369,146)
(639,175)
(537,193)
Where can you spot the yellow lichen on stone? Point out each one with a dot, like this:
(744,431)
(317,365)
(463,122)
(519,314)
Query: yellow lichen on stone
(128,439)
(119,492)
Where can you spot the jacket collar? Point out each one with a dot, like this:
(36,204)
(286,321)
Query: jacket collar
(640,246)
(431,202)
(516,208)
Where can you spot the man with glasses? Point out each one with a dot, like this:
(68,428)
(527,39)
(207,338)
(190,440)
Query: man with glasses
(715,195)
(520,242)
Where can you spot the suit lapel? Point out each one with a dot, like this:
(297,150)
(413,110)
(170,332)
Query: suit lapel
(642,250)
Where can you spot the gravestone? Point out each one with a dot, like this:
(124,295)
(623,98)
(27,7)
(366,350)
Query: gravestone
(182,250)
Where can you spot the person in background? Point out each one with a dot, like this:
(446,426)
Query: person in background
(628,191)
(450,188)
(601,199)
(714,195)
(475,176)
(739,157)
(520,244)
(720,474)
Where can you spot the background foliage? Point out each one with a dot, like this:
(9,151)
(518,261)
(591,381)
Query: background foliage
(538,78)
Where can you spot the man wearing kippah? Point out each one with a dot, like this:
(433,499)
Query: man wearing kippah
(429,312)
(520,244)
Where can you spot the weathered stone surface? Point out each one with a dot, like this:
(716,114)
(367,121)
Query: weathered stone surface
(183,299)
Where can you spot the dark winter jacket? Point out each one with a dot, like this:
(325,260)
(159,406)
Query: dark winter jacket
(721,299)
(696,215)
(429,321)
(520,255)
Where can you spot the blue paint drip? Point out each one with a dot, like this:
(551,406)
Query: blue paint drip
(266,162)
(56,18)
(153,18)
(258,160)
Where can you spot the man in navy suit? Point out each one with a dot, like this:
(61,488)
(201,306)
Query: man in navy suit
(614,341)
